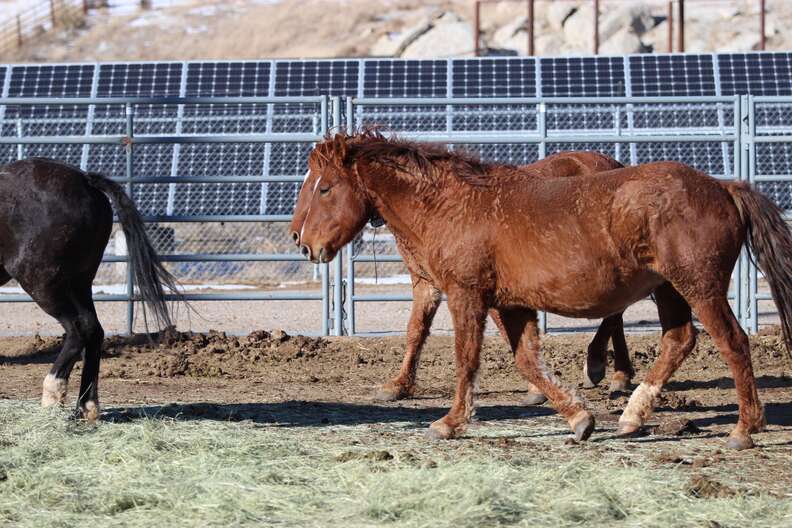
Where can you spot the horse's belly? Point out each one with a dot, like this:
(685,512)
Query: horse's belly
(591,294)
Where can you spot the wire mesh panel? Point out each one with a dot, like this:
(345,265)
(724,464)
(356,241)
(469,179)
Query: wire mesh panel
(773,161)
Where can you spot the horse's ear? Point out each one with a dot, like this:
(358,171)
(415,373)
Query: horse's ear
(340,149)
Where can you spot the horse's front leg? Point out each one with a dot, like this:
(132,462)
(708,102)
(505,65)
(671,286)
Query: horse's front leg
(521,324)
(426,300)
(469,313)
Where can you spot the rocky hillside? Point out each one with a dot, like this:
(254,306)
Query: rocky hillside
(254,29)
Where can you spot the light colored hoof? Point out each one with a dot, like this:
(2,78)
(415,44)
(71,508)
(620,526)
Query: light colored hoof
(54,391)
(440,430)
(740,441)
(534,398)
(619,383)
(628,429)
(593,374)
(391,392)
(90,412)
(582,425)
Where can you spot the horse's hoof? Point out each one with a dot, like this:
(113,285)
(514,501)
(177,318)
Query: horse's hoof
(440,430)
(90,412)
(583,425)
(390,392)
(619,384)
(53,391)
(534,398)
(628,430)
(592,375)
(738,442)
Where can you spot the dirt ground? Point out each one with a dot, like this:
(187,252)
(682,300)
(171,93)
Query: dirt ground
(272,377)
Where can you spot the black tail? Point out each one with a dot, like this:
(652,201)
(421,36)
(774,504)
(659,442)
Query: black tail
(770,240)
(150,275)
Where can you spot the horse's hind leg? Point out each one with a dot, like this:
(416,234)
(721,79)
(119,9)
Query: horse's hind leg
(535,396)
(426,300)
(679,338)
(717,318)
(521,324)
(622,367)
(597,356)
(93,336)
(63,309)
(4,276)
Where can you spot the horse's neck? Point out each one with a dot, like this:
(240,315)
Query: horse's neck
(403,204)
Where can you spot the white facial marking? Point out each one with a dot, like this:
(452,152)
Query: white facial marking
(305,221)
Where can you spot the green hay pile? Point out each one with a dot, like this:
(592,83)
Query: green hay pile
(163,472)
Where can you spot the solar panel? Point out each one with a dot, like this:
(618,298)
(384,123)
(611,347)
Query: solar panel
(305,78)
(405,78)
(755,73)
(506,77)
(49,120)
(581,77)
(665,75)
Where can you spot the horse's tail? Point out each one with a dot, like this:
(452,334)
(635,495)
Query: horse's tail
(149,273)
(770,240)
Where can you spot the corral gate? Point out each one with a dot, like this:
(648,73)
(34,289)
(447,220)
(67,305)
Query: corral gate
(743,131)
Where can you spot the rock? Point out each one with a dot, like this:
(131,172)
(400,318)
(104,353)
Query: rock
(623,41)
(635,16)
(443,40)
(741,42)
(517,42)
(657,38)
(578,28)
(558,13)
(505,34)
(394,44)
(549,44)
(676,427)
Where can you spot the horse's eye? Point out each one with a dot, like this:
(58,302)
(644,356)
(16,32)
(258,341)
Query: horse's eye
(324,191)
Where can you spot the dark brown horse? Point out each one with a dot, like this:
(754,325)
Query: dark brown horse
(55,221)
(427,296)
(579,247)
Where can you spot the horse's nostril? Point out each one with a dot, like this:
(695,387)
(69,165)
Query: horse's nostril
(296,237)
(305,251)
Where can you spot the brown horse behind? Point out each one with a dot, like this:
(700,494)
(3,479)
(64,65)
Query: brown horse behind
(579,247)
(427,296)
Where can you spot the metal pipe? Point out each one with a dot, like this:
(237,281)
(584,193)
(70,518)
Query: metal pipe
(596,27)
(476,27)
(530,28)
(681,31)
(670,26)
(762,24)
(130,131)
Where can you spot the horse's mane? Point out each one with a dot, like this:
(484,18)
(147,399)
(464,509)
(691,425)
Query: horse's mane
(413,158)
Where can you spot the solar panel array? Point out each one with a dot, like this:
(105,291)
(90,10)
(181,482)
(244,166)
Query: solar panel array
(638,75)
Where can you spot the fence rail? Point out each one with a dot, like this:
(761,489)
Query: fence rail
(42,16)
(727,126)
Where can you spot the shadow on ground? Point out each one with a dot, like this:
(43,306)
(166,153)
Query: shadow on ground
(313,414)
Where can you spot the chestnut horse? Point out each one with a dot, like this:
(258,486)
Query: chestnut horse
(55,221)
(426,296)
(579,247)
